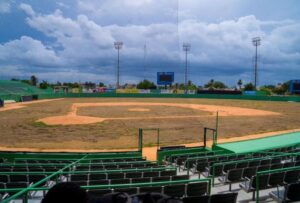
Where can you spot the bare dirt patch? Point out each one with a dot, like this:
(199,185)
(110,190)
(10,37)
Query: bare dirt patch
(139,109)
(14,106)
(70,120)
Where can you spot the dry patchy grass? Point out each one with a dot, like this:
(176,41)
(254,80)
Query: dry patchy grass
(18,128)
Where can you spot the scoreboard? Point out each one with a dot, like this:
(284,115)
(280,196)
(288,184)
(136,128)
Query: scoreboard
(165,78)
(295,86)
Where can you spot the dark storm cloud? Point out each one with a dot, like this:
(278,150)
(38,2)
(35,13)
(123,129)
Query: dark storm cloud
(73,42)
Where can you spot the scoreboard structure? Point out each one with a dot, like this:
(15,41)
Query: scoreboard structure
(165,78)
(295,86)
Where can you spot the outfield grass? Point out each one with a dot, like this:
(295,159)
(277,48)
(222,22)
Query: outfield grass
(18,128)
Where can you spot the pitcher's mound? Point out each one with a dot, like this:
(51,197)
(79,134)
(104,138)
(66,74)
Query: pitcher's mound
(70,120)
(139,109)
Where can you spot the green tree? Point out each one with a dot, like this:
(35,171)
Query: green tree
(219,85)
(279,90)
(240,83)
(266,90)
(101,84)
(176,85)
(26,81)
(191,86)
(14,79)
(249,87)
(44,85)
(33,80)
(212,84)
(286,86)
(282,88)
(146,84)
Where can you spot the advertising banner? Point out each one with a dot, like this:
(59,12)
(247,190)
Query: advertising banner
(142,91)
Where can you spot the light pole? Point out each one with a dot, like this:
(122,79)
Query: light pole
(144,63)
(186,48)
(118,46)
(256,43)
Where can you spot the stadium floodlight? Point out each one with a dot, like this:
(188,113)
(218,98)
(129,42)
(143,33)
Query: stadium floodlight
(118,46)
(256,41)
(145,58)
(186,48)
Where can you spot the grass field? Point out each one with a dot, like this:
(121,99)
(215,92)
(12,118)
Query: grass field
(18,128)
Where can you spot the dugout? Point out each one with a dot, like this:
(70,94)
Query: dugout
(1,103)
(35,97)
(26,98)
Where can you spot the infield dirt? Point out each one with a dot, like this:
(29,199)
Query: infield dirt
(20,129)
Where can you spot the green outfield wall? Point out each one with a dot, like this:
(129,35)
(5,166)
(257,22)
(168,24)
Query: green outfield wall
(153,95)
(195,96)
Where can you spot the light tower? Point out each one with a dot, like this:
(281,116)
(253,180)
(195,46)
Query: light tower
(256,43)
(186,48)
(144,62)
(118,46)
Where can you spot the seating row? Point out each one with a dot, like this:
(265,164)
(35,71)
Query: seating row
(219,167)
(289,194)
(238,175)
(115,166)
(174,190)
(100,160)
(190,162)
(267,181)
(21,178)
(180,158)
(120,175)
(86,182)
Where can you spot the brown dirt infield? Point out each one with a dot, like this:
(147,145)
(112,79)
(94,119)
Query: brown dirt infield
(139,109)
(73,119)
(178,124)
(13,106)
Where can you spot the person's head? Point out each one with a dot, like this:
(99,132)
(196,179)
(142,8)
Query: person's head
(66,192)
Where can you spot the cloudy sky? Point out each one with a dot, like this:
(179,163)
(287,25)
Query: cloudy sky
(72,40)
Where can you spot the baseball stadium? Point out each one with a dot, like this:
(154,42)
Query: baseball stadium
(108,101)
(184,145)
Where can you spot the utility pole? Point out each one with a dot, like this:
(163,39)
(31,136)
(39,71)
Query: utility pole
(145,56)
(118,46)
(186,48)
(256,41)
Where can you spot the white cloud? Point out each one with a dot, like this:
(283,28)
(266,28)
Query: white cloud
(126,12)
(137,3)
(27,9)
(28,51)
(5,6)
(63,5)
(84,44)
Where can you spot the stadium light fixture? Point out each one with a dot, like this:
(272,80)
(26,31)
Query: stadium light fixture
(118,46)
(186,48)
(256,41)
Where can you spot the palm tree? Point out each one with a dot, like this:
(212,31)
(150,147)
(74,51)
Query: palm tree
(240,83)
(33,80)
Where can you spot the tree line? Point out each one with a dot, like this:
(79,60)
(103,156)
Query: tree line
(281,89)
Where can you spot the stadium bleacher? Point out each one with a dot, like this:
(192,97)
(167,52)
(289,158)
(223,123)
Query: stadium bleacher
(14,90)
(130,173)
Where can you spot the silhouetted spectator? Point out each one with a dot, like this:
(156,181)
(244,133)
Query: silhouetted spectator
(66,192)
